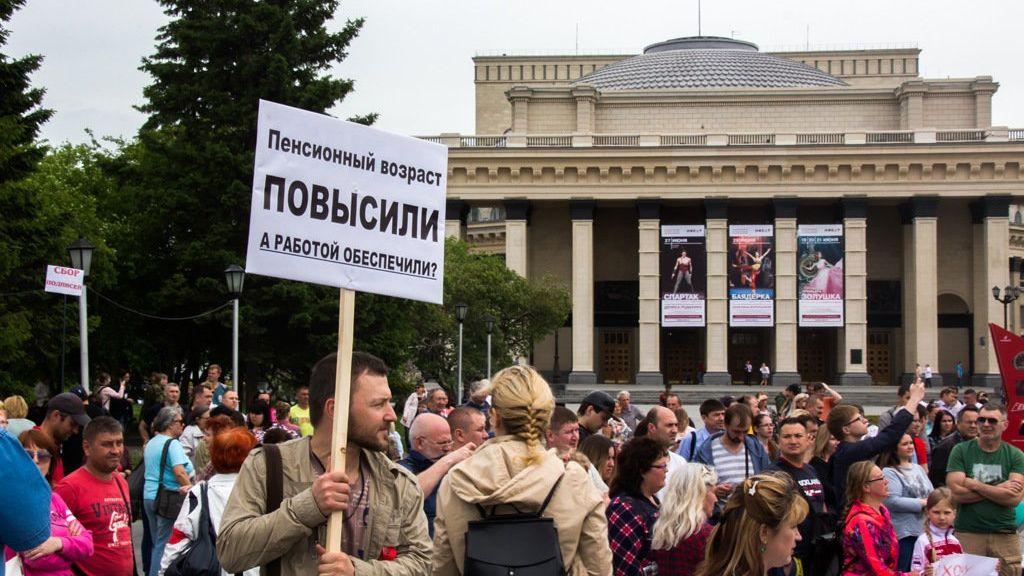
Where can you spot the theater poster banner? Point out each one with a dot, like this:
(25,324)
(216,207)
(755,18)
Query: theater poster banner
(683,276)
(751,275)
(1010,354)
(820,274)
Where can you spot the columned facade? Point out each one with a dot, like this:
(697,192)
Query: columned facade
(716,346)
(853,336)
(517,251)
(920,298)
(581,213)
(784,365)
(649,251)
(991,256)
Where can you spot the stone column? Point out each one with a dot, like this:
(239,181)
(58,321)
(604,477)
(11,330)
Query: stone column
(581,213)
(991,253)
(455,213)
(649,218)
(716,347)
(983,88)
(586,101)
(517,249)
(853,337)
(1015,267)
(520,98)
(920,293)
(784,362)
(910,95)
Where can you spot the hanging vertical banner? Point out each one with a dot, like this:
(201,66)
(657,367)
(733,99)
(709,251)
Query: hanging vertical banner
(820,274)
(751,275)
(1010,354)
(683,275)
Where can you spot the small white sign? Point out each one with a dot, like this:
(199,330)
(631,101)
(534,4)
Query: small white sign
(965,565)
(61,280)
(341,204)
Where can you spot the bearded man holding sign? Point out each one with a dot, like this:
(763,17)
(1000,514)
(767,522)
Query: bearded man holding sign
(384,527)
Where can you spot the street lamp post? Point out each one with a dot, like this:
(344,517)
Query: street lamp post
(489,320)
(1010,293)
(81,258)
(461,309)
(235,277)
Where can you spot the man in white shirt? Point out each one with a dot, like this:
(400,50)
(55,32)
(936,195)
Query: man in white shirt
(947,401)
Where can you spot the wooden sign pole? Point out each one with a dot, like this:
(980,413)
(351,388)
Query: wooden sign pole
(342,389)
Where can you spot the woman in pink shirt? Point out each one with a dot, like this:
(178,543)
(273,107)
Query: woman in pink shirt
(69,542)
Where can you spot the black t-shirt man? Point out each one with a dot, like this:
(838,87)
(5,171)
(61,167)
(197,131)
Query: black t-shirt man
(814,492)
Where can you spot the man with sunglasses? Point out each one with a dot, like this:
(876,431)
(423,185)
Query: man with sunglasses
(986,477)
(849,426)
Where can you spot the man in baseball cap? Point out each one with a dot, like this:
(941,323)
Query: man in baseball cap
(65,413)
(594,411)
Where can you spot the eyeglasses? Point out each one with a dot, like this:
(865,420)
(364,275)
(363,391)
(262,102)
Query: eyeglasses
(880,478)
(857,419)
(40,455)
(987,420)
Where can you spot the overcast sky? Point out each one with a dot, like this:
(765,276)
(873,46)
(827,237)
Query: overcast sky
(412,61)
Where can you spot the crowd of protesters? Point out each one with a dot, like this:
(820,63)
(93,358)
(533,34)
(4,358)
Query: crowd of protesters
(803,485)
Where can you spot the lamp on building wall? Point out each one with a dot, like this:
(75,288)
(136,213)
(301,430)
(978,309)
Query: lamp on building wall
(461,309)
(1010,294)
(81,258)
(489,321)
(235,278)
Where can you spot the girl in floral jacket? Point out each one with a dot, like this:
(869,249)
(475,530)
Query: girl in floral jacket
(870,547)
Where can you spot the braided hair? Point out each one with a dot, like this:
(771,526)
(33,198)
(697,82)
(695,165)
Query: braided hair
(523,400)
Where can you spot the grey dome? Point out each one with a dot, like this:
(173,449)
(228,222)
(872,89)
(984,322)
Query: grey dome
(706,62)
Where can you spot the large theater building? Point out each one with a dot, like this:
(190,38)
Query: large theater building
(831,214)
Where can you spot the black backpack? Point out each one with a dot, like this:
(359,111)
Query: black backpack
(522,544)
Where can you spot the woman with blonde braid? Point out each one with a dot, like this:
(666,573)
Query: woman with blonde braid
(758,530)
(514,472)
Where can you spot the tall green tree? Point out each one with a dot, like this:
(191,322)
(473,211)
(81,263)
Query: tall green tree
(22,237)
(184,195)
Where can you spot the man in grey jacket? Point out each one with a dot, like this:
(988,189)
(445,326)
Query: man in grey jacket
(384,528)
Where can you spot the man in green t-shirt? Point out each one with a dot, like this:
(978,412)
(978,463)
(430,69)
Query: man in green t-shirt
(986,476)
(299,414)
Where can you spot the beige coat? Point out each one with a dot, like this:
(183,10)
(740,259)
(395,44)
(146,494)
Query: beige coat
(496,474)
(249,537)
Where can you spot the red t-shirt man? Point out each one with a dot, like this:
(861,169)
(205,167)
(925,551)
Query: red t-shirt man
(102,507)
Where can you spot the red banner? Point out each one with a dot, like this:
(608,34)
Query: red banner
(1010,353)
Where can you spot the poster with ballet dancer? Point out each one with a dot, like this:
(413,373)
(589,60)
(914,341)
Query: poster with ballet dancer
(751,275)
(683,275)
(819,273)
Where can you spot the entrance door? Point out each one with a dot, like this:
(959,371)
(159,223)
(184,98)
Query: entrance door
(748,344)
(812,352)
(682,351)
(880,357)
(616,356)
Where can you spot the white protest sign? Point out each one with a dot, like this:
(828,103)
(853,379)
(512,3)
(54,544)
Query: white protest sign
(965,565)
(345,205)
(61,280)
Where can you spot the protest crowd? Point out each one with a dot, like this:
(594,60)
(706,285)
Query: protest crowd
(509,482)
